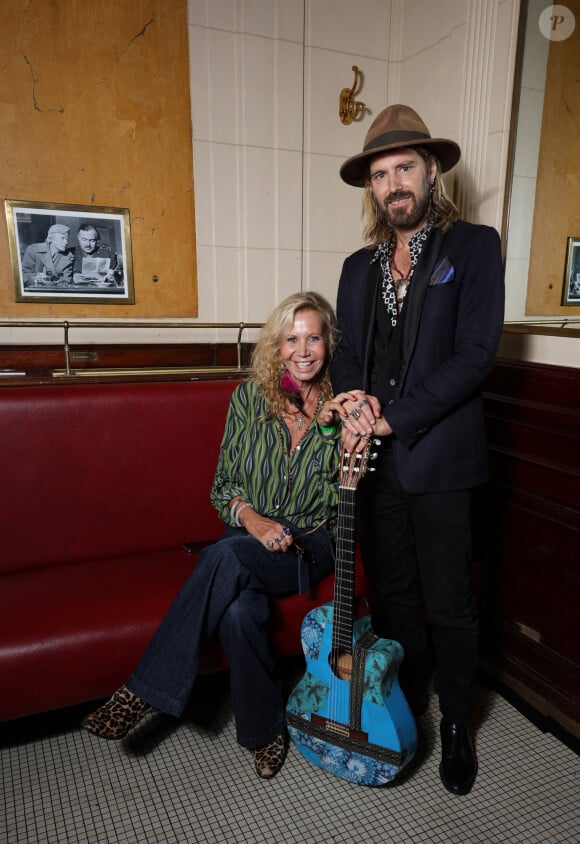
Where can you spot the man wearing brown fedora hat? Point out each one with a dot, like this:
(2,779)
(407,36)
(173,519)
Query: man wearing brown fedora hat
(420,310)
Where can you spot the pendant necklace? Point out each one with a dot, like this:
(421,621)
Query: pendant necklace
(288,453)
(299,419)
(403,282)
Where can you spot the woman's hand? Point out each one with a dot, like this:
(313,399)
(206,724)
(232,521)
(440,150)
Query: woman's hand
(331,412)
(272,535)
(340,409)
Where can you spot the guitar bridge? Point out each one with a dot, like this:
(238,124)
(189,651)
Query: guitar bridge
(338,729)
(317,727)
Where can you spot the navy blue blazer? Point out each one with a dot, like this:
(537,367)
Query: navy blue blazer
(453,324)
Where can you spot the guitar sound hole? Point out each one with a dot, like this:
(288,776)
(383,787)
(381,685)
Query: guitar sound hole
(341,664)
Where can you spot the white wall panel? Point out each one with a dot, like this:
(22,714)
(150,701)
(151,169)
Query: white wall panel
(427,24)
(280,19)
(359,28)
(272,203)
(322,272)
(432,83)
(224,200)
(213,14)
(270,75)
(332,208)
(216,85)
(270,277)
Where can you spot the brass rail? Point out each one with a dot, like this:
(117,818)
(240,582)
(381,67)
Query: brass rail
(151,370)
(559,322)
(67,325)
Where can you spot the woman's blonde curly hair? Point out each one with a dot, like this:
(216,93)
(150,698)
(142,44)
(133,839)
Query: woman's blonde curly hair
(267,365)
(443,212)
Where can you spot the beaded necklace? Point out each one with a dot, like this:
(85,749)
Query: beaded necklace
(289,452)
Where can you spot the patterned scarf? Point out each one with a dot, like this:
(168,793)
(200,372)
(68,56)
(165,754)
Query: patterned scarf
(383,254)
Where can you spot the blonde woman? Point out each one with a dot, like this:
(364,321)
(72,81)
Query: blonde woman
(275,487)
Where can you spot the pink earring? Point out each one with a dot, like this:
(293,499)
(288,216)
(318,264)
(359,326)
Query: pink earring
(288,384)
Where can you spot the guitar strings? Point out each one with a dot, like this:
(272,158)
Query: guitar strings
(342,632)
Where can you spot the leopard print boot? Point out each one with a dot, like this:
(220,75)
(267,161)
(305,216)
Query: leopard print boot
(115,718)
(268,760)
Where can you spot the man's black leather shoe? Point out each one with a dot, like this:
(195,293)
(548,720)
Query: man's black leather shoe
(458,766)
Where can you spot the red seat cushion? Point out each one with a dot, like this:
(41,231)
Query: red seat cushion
(82,628)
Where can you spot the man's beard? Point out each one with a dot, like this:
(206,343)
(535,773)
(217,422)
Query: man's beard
(413,215)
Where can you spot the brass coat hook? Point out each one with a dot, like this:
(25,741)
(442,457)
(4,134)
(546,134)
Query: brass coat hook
(348,109)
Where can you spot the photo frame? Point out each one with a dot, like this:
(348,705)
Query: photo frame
(70,253)
(571,288)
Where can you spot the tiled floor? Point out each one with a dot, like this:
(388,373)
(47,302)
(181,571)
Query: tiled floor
(189,781)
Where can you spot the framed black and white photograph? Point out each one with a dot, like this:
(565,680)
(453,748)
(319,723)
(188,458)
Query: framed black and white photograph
(571,289)
(70,253)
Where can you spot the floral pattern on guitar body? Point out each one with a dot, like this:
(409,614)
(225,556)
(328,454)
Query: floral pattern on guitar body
(375,685)
(385,710)
(344,763)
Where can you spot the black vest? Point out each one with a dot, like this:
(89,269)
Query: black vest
(387,352)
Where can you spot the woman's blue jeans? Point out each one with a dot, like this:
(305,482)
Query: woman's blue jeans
(227,593)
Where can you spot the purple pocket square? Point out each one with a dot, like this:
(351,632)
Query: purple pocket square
(443,273)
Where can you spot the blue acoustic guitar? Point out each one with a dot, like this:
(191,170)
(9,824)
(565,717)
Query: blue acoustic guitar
(348,714)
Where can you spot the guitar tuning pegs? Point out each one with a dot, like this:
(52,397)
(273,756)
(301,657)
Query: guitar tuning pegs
(373,455)
(376,442)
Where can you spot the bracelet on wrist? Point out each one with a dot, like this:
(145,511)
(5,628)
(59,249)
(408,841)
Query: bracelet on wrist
(233,508)
(327,429)
(239,513)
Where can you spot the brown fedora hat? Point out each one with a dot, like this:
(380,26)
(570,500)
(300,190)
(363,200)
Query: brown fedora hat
(397,126)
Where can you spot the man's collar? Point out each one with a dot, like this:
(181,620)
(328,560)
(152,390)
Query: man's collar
(420,235)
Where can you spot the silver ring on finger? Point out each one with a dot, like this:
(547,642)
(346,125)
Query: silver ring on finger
(270,543)
(355,413)
(362,402)
(279,538)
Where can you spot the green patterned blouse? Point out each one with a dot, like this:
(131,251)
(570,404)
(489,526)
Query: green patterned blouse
(255,463)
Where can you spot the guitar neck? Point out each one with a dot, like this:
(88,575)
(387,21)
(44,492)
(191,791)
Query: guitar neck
(344,573)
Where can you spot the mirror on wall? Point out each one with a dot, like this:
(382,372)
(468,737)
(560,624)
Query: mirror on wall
(543,162)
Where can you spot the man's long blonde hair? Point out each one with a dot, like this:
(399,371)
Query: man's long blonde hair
(442,214)
(267,364)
